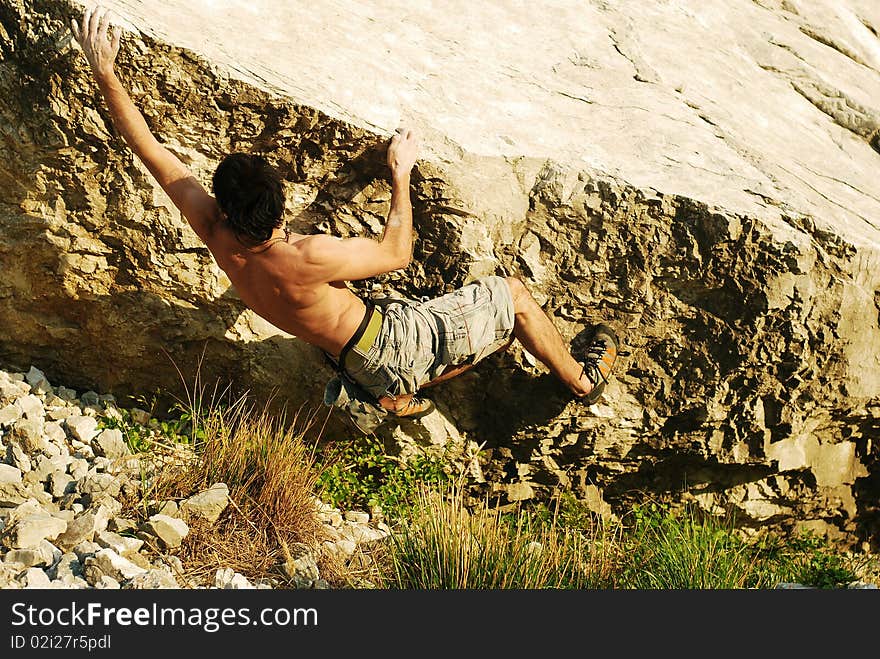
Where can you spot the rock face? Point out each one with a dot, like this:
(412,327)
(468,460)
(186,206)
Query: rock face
(701,175)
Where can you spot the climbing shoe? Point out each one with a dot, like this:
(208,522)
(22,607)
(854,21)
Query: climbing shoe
(416,408)
(598,361)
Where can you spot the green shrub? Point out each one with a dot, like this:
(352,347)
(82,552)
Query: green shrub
(361,475)
(806,559)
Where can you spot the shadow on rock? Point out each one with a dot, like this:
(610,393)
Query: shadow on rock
(135,344)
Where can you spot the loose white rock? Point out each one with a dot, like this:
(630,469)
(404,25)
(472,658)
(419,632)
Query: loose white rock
(78,468)
(139,416)
(90,398)
(110,444)
(10,390)
(67,394)
(66,566)
(170,531)
(228,579)
(118,543)
(9,415)
(16,456)
(34,577)
(112,564)
(82,428)
(55,433)
(208,504)
(60,483)
(61,413)
(38,382)
(99,484)
(85,549)
(152,580)
(13,494)
(31,406)
(357,517)
(29,434)
(29,531)
(81,529)
(107,583)
(25,557)
(9,474)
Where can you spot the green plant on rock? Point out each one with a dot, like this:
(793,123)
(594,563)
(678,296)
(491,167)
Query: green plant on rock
(180,427)
(361,475)
(138,438)
(567,511)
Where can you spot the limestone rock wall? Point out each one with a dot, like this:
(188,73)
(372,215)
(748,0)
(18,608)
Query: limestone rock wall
(748,298)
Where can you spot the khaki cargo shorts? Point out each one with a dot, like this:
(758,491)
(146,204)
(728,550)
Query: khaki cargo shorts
(418,340)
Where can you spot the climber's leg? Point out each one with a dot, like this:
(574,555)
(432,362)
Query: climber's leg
(539,336)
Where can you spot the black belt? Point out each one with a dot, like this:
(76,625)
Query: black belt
(366,333)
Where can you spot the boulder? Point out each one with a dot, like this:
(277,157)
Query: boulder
(699,174)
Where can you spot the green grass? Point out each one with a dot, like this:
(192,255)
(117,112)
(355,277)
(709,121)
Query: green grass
(689,550)
(440,542)
(177,428)
(443,545)
(807,559)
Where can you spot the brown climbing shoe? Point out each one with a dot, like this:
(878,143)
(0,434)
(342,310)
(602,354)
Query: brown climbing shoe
(601,354)
(416,408)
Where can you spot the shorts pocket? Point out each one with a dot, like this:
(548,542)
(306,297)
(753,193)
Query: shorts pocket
(455,343)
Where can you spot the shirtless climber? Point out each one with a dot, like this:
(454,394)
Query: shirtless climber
(297,282)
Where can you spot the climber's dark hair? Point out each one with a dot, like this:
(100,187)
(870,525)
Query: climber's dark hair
(249,192)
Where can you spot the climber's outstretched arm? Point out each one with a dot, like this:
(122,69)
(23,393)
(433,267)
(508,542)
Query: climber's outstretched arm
(101,45)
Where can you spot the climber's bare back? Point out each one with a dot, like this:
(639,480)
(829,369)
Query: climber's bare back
(298,284)
(278,283)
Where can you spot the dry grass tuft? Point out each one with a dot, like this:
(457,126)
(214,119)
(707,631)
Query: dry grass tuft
(444,545)
(269,470)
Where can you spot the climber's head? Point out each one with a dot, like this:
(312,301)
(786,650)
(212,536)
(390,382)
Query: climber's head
(249,192)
